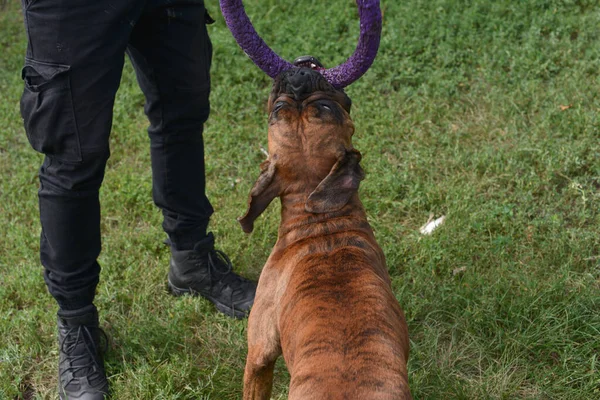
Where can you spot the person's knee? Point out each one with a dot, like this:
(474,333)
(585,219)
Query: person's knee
(182,116)
(69,179)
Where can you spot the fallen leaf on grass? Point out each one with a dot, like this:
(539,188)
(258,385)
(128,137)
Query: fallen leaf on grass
(563,108)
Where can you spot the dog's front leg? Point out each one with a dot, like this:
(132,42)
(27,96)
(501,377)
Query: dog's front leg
(258,375)
(263,341)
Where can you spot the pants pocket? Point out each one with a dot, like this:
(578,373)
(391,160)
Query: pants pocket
(47,110)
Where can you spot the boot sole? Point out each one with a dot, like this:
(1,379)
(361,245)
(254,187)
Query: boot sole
(225,309)
(102,393)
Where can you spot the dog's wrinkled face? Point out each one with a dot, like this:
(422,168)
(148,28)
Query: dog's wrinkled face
(310,146)
(309,120)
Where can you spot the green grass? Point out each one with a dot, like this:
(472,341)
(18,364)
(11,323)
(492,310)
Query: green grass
(483,111)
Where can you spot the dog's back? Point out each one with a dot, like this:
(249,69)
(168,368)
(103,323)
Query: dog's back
(343,334)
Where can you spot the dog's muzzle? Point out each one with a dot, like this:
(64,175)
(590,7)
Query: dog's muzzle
(301,82)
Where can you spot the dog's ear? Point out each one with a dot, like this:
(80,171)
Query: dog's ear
(264,191)
(337,188)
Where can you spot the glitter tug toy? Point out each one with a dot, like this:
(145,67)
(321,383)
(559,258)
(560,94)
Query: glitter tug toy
(272,64)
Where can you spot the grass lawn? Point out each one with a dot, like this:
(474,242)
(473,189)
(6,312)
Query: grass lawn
(484,111)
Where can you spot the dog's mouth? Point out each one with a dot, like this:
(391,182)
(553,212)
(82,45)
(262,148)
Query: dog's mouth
(301,82)
(308,62)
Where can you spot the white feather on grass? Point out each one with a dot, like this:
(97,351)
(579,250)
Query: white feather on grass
(431,225)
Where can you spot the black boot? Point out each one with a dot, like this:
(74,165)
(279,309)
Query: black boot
(81,368)
(208,272)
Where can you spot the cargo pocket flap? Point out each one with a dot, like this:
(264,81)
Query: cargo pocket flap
(48,112)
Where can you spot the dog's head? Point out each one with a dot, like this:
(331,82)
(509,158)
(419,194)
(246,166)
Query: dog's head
(310,146)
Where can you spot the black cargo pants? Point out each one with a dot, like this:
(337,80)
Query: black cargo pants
(73,66)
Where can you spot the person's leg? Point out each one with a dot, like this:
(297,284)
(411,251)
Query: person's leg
(171,53)
(72,71)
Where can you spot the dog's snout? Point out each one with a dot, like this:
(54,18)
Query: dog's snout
(302,81)
(302,74)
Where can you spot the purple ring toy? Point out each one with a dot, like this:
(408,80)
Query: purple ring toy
(272,64)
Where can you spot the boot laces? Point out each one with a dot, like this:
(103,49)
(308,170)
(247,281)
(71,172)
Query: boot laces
(220,270)
(82,363)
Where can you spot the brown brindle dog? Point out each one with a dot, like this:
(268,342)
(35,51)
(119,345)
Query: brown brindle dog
(324,297)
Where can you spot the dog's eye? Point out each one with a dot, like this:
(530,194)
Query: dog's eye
(278,106)
(323,106)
